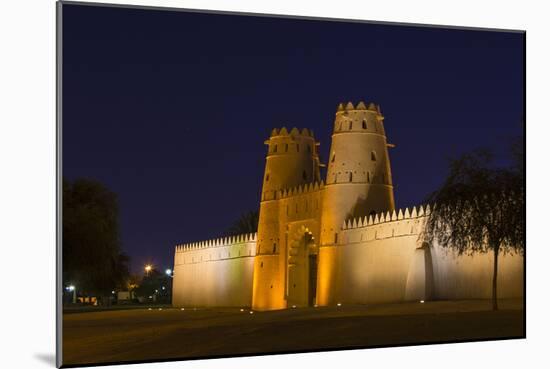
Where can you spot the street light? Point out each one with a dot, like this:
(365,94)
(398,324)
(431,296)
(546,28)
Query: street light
(148,268)
(72,289)
(170,273)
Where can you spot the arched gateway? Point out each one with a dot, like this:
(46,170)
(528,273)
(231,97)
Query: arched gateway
(301,281)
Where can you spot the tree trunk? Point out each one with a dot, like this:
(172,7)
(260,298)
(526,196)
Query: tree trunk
(495,276)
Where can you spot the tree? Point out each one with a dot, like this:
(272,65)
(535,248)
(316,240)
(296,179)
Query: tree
(247,223)
(479,209)
(155,287)
(92,259)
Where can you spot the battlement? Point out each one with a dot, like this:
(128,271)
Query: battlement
(218,242)
(294,132)
(396,215)
(300,190)
(360,106)
(294,191)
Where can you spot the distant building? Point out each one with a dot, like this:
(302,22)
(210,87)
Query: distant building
(124,296)
(335,241)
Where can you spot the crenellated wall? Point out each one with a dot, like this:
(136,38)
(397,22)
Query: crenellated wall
(381,259)
(214,273)
(378,259)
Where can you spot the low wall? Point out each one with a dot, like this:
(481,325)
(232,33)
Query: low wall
(215,273)
(384,261)
(377,260)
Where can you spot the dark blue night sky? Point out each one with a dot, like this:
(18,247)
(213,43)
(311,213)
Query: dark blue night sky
(170,109)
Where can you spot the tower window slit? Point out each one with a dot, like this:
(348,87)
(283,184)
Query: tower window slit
(350,176)
(286,147)
(333,157)
(304,175)
(350,125)
(364,124)
(373,155)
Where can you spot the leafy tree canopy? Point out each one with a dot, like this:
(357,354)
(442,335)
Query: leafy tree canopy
(247,223)
(92,259)
(480,208)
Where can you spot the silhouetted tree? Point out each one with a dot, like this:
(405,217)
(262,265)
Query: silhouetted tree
(92,259)
(479,208)
(155,287)
(247,223)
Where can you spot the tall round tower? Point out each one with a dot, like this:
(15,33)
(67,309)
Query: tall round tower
(291,161)
(358,183)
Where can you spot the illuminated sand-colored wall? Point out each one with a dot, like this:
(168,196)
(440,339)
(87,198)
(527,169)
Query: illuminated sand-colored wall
(381,259)
(215,272)
(359,179)
(291,162)
(281,272)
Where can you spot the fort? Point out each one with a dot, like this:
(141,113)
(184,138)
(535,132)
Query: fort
(337,241)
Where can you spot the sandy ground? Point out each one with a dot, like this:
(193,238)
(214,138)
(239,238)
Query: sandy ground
(137,335)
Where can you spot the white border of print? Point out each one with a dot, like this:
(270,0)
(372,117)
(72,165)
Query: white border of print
(27,185)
